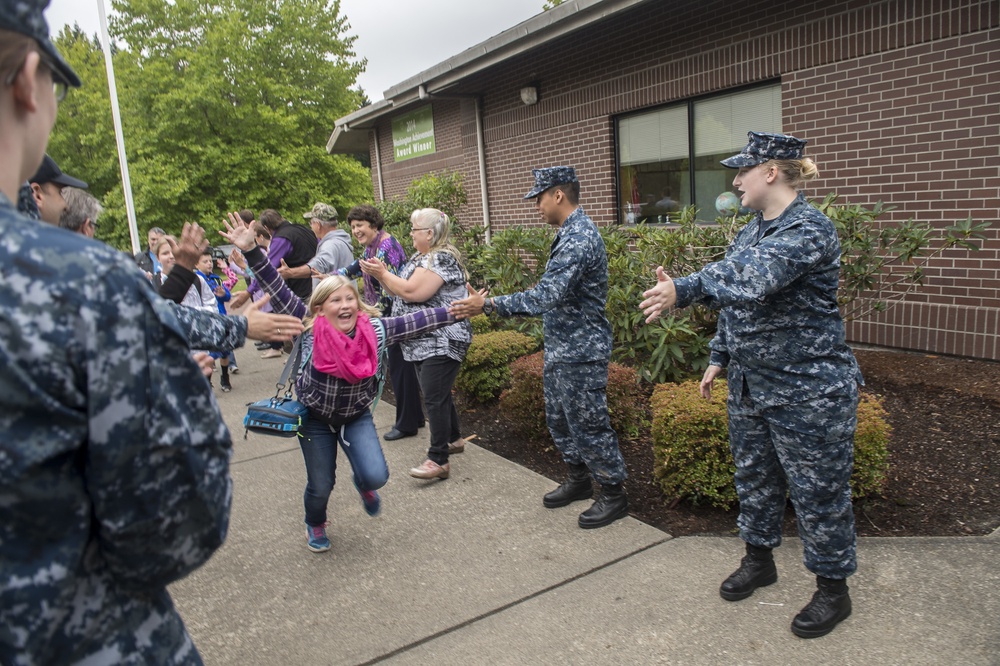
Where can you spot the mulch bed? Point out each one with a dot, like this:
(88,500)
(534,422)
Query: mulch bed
(944,477)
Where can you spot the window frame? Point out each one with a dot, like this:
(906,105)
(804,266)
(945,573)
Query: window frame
(689,103)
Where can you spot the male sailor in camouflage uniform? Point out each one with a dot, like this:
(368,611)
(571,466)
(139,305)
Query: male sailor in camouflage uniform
(792,378)
(571,298)
(114,457)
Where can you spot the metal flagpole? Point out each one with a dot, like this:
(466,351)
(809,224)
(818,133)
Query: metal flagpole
(116,114)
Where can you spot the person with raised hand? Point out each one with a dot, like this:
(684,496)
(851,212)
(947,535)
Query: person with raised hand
(368,229)
(571,298)
(344,357)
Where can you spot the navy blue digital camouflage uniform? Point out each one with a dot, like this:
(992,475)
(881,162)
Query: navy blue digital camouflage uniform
(792,381)
(114,458)
(26,202)
(571,297)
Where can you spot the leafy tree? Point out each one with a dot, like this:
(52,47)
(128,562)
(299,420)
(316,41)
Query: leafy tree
(83,140)
(226,104)
(550,4)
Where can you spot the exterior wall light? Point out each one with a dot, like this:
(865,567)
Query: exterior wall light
(529,95)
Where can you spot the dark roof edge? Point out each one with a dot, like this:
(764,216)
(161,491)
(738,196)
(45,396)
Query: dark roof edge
(525,36)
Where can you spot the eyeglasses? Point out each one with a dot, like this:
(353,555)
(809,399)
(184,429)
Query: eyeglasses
(421,229)
(60,85)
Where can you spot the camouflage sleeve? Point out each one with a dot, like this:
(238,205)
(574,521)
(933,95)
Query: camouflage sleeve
(157,459)
(760,270)
(719,354)
(211,331)
(561,272)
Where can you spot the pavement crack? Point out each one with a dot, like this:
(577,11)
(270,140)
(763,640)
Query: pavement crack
(517,602)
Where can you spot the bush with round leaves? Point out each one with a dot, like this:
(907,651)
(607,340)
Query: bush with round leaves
(486,370)
(523,404)
(691,456)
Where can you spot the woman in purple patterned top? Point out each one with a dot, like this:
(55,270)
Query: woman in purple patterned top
(366,226)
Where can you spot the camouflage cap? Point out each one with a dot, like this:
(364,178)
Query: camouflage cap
(550,177)
(763,147)
(25,17)
(323,212)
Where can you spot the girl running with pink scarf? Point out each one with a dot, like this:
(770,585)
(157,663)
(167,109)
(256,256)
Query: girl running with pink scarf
(343,368)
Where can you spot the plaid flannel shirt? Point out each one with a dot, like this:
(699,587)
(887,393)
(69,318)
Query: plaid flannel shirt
(330,398)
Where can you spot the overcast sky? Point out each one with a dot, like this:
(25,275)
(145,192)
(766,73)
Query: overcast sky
(400,38)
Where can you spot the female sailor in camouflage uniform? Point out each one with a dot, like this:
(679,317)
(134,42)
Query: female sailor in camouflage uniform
(792,378)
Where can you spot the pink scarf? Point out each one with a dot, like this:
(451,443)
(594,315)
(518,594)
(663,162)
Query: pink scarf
(337,354)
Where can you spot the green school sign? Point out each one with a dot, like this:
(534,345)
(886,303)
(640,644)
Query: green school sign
(413,134)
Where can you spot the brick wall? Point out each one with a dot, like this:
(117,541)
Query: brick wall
(899,100)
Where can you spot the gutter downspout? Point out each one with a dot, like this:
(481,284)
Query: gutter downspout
(481,144)
(378,166)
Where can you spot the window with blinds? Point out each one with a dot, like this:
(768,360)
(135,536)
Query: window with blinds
(668,158)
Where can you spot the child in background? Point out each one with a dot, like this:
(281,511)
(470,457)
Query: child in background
(228,282)
(344,351)
(203,270)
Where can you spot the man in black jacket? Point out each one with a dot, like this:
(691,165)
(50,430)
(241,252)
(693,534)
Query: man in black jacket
(293,243)
(146,260)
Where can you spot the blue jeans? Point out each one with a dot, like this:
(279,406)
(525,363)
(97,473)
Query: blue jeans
(319,450)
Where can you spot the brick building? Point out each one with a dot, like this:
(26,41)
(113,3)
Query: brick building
(899,100)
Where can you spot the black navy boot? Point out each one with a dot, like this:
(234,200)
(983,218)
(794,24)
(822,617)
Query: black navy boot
(756,570)
(577,486)
(830,604)
(609,506)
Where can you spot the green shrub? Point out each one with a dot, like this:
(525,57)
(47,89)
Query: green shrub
(486,370)
(691,457)
(524,402)
(481,324)
(871,447)
(628,401)
(880,264)
(514,261)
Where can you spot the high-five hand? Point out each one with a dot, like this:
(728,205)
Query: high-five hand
(239,233)
(471,306)
(268,326)
(660,297)
(190,245)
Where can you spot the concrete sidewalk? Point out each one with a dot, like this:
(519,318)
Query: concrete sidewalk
(473,570)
